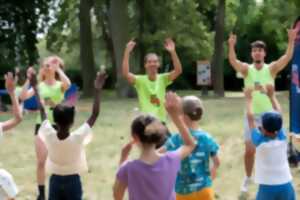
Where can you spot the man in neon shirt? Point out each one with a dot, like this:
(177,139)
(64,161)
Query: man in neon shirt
(151,88)
(257,76)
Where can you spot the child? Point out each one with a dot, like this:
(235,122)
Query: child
(153,175)
(8,188)
(66,157)
(272,171)
(52,86)
(194,179)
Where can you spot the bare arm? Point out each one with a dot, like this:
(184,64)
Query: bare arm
(282,62)
(10,87)
(250,115)
(119,190)
(99,83)
(25,92)
(170,47)
(271,94)
(235,63)
(174,108)
(216,164)
(125,64)
(64,79)
(33,82)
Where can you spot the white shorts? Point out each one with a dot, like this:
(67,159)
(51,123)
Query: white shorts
(8,188)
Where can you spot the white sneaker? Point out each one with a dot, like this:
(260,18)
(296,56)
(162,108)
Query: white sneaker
(246,182)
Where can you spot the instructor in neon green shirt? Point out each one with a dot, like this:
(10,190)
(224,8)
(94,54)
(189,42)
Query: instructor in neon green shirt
(257,76)
(151,88)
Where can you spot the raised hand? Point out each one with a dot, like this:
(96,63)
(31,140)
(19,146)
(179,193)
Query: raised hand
(169,45)
(292,33)
(100,80)
(33,79)
(173,104)
(130,45)
(9,82)
(232,39)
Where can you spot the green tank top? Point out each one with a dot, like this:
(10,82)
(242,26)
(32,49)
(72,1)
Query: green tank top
(50,93)
(254,79)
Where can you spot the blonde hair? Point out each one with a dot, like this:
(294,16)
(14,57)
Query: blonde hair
(44,62)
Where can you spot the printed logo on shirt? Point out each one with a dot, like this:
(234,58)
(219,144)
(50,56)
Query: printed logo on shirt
(154,100)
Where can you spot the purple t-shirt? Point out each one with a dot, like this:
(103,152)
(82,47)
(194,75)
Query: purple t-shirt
(151,182)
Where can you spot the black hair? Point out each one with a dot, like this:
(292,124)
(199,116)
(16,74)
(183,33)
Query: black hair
(296,21)
(259,44)
(63,115)
(149,130)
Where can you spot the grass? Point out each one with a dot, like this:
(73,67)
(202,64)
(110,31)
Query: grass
(223,118)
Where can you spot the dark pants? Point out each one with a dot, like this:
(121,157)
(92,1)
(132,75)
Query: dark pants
(65,187)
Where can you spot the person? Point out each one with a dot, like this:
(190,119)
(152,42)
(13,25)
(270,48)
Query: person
(272,171)
(52,93)
(151,88)
(194,180)
(8,188)
(257,75)
(152,176)
(66,158)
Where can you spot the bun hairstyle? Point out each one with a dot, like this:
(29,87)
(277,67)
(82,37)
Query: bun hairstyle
(192,107)
(149,130)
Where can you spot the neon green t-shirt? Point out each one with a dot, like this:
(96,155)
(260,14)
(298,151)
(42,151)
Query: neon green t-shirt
(151,94)
(258,79)
(51,93)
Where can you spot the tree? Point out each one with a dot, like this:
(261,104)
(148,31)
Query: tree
(21,22)
(86,47)
(119,23)
(218,57)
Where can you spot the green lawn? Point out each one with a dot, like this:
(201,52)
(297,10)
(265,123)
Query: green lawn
(223,118)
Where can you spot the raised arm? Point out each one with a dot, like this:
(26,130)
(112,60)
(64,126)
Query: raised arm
(62,76)
(99,83)
(174,107)
(271,94)
(250,115)
(33,83)
(282,62)
(125,64)
(26,93)
(10,87)
(235,63)
(170,47)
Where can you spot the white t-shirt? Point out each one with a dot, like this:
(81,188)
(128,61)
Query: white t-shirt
(271,161)
(65,157)
(8,188)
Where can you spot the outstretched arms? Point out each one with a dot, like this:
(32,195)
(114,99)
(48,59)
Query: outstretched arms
(282,62)
(10,87)
(170,47)
(236,64)
(99,83)
(125,64)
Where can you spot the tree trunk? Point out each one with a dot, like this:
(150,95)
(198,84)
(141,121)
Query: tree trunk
(119,23)
(141,47)
(218,57)
(87,62)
